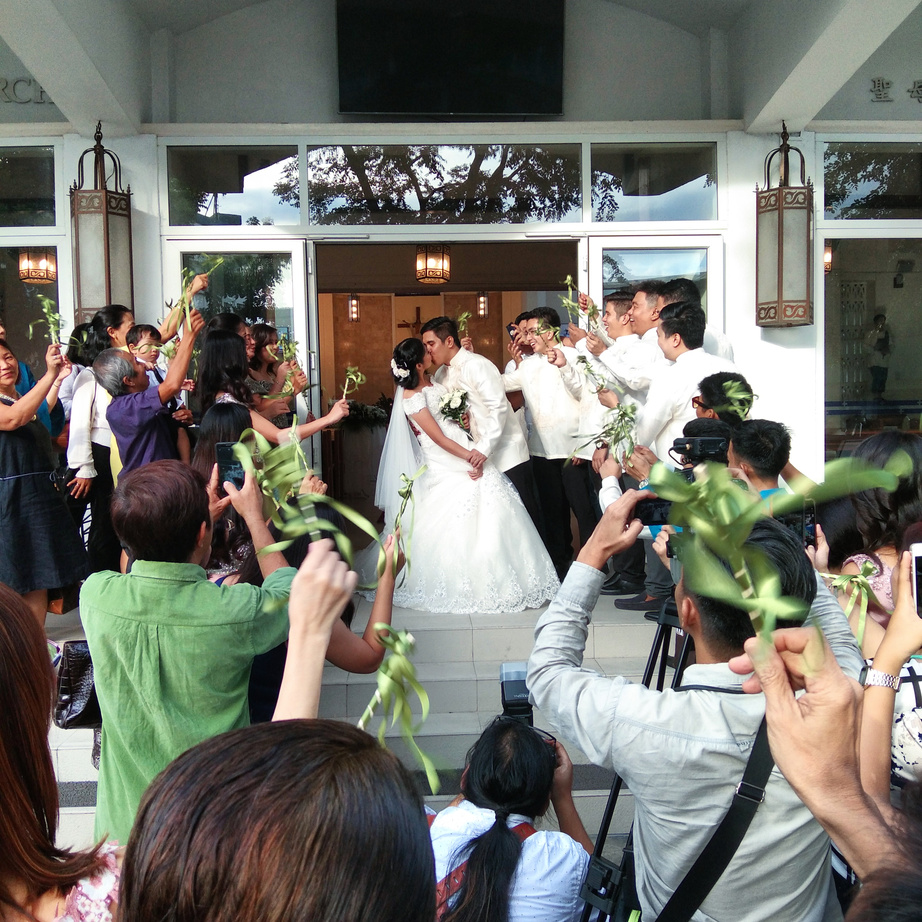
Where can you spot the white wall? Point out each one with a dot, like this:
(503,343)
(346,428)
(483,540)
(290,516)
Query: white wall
(11,69)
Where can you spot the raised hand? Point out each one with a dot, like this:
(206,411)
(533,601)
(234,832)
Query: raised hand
(556,357)
(608,398)
(575,332)
(594,344)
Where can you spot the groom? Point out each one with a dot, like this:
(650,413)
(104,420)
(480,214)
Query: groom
(496,432)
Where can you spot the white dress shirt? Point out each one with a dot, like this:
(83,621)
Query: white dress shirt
(668,407)
(547,879)
(635,362)
(717,343)
(87,423)
(496,432)
(552,395)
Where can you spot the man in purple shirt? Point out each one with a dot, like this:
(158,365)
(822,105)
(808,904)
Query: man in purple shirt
(138,414)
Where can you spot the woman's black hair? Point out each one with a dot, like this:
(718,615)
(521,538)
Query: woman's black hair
(839,521)
(407,355)
(227,321)
(882,517)
(223,367)
(77,343)
(262,334)
(510,769)
(98,339)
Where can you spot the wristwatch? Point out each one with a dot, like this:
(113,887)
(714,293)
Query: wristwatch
(601,443)
(870,676)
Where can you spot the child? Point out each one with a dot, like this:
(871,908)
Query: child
(145,344)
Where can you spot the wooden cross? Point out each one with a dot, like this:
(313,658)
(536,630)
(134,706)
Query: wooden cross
(415,325)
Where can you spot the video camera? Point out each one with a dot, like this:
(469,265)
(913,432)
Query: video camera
(695,450)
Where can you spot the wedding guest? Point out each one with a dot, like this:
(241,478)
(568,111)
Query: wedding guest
(77,356)
(712,401)
(552,388)
(293,820)
(682,289)
(497,434)
(511,871)
(760,450)
(39,878)
(138,414)
(51,417)
(268,376)
(172,651)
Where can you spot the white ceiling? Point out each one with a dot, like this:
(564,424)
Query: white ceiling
(694,15)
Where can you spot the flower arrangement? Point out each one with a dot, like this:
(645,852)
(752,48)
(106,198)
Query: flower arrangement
(453,406)
(399,372)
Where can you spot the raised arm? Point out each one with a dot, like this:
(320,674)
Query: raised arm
(248,502)
(176,374)
(22,411)
(171,324)
(304,430)
(319,593)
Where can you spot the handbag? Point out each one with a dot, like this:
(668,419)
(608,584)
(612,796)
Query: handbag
(76,706)
(612,889)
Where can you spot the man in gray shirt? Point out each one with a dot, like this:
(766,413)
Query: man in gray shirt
(682,753)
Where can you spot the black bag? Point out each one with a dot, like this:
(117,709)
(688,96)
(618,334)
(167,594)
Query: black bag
(76,707)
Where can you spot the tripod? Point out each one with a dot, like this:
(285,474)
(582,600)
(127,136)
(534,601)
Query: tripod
(601,884)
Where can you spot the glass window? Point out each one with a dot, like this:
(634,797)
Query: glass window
(232,186)
(21,302)
(444,184)
(873,339)
(256,286)
(654,182)
(26,187)
(873,180)
(621,269)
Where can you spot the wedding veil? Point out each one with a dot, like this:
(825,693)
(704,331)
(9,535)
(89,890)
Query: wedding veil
(401,455)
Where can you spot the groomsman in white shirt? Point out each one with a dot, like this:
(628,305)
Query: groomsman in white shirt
(669,400)
(715,342)
(552,388)
(496,432)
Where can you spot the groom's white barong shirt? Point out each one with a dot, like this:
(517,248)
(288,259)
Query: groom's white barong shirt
(496,432)
(682,754)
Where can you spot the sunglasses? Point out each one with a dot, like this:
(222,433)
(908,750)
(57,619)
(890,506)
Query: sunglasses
(698,403)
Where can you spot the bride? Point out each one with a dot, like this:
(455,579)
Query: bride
(473,547)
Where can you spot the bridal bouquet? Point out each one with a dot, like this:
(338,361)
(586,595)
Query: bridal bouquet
(453,405)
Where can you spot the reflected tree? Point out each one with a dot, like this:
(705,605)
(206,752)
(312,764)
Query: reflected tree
(438,184)
(862,181)
(243,284)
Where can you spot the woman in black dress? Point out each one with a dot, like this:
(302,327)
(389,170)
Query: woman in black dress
(40,548)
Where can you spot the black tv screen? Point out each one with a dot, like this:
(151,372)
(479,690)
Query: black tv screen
(457,57)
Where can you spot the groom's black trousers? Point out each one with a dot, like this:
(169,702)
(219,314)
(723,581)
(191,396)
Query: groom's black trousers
(523,479)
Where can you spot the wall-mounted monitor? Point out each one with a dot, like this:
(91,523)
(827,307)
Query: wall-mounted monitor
(460,58)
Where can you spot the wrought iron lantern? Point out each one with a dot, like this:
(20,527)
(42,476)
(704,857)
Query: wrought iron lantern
(102,233)
(433,263)
(784,244)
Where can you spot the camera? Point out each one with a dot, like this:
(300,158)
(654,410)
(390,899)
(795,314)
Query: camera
(702,448)
(514,693)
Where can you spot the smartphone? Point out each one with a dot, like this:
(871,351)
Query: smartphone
(916,551)
(802,523)
(229,468)
(653,511)
(809,523)
(512,330)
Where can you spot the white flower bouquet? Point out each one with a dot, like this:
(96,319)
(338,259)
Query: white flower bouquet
(453,405)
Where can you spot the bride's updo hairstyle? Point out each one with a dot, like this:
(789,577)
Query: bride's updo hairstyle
(407,356)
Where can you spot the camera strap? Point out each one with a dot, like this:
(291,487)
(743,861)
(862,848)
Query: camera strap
(722,846)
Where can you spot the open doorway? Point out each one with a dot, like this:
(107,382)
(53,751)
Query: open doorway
(494,282)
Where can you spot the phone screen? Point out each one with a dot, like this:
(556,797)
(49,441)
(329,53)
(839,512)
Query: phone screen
(229,468)
(653,511)
(916,551)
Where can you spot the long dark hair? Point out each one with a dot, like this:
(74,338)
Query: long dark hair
(882,517)
(98,339)
(77,344)
(262,333)
(407,355)
(28,789)
(510,769)
(223,367)
(299,819)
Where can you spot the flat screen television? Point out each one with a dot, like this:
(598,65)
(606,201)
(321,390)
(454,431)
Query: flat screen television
(454,58)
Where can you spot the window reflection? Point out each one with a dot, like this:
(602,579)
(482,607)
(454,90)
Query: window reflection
(26,187)
(654,182)
(622,269)
(444,184)
(232,186)
(873,180)
(21,308)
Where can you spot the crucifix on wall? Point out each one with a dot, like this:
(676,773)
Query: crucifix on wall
(415,325)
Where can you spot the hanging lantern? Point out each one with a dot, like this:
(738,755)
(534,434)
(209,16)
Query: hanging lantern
(102,234)
(433,263)
(38,265)
(784,244)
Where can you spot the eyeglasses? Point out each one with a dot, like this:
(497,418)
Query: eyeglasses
(698,403)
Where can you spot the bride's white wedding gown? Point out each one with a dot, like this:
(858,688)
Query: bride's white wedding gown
(473,546)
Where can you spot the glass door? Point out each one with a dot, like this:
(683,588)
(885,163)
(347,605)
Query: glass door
(263,281)
(623,261)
